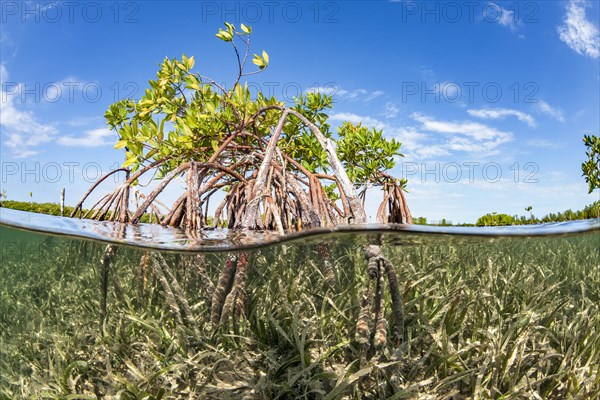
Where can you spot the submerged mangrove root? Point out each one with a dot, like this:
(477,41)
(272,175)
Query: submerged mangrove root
(235,302)
(223,287)
(397,303)
(105,262)
(379,330)
(177,292)
(143,273)
(363,325)
(372,326)
(327,269)
(229,299)
(154,263)
(174,295)
(206,285)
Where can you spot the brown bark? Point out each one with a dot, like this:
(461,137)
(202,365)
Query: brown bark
(222,289)
(397,303)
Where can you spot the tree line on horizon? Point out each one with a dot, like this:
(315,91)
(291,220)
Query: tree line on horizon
(491,219)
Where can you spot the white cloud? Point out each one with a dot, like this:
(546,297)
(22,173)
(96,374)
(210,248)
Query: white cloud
(91,138)
(450,91)
(547,109)
(351,95)
(435,138)
(578,32)
(37,9)
(470,129)
(355,119)
(374,95)
(416,145)
(465,136)
(579,114)
(391,110)
(24,133)
(330,90)
(543,143)
(66,90)
(507,18)
(499,113)
(3,73)
(430,152)
(410,136)
(348,95)
(501,15)
(84,121)
(22,129)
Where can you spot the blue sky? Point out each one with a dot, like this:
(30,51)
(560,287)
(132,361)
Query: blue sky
(490,99)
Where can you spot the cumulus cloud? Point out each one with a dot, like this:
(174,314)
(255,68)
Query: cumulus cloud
(544,144)
(465,136)
(545,108)
(347,95)
(91,138)
(500,113)
(579,33)
(410,136)
(355,119)
(391,110)
(374,95)
(24,133)
(436,138)
(501,15)
(21,128)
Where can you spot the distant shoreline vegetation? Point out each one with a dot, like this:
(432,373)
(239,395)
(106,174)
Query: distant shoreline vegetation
(498,219)
(492,219)
(50,209)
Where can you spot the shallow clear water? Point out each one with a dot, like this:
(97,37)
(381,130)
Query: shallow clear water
(166,238)
(491,312)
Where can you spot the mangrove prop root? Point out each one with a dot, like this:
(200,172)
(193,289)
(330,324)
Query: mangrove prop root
(267,188)
(227,309)
(206,284)
(397,303)
(395,202)
(380,339)
(221,290)
(324,253)
(239,286)
(377,338)
(363,325)
(363,329)
(380,328)
(105,262)
(117,286)
(377,265)
(169,296)
(178,293)
(235,301)
(143,273)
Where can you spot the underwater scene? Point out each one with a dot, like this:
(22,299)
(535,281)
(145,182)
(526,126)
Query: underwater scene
(448,315)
